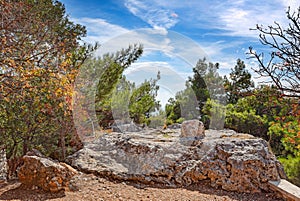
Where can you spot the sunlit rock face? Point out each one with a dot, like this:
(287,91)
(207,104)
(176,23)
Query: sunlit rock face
(232,161)
(44,173)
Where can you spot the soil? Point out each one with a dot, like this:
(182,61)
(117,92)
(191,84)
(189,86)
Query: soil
(89,187)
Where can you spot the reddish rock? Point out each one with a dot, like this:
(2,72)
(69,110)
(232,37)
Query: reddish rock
(45,173)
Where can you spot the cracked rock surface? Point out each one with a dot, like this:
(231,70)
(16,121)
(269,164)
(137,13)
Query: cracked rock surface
(232,161)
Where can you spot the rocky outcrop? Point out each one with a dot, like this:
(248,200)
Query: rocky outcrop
(3,165)
(44,173)
(234,162)
(192,131)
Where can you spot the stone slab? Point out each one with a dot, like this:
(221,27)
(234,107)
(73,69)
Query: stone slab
(288,190)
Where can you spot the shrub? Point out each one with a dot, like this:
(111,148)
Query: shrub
(180,120)
(292,168)
(243,117)
(213,114)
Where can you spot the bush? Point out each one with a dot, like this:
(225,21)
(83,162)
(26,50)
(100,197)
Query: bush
(169,122)
(180,120)
(213,114)
(288,129)
(292,168)
(243,117)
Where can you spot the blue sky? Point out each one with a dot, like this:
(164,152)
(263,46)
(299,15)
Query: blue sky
(176,33)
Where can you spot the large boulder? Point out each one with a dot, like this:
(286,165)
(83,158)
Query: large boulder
(38,171)
(232,161)
(3,165)
(192,131)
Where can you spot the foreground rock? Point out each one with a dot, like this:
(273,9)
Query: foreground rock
(38,171)
(3,165)
(232,161)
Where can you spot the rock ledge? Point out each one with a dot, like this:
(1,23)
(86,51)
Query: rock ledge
(232,161)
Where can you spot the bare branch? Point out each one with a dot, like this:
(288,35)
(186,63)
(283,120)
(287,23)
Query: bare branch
(283,64)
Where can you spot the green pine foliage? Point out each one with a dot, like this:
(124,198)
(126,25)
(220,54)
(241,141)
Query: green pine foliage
(239,83)
(243,117)
(143,101)
(130,102)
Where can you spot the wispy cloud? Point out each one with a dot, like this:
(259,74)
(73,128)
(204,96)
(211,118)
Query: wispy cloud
(232,18)
(157,17)
(99,30)
(229,21)
(237,19)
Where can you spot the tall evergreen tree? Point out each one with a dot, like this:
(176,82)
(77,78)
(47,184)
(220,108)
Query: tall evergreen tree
(143,100)
(107,71)
(239,83)
(206,82)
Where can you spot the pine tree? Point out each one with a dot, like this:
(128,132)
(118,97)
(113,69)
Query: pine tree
(204,84)
(207,83)
(239,84)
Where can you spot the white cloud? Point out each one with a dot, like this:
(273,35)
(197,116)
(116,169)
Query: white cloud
(157,17)
(238,20)
(150,39)
(234,18)
(172,44)
(99,30)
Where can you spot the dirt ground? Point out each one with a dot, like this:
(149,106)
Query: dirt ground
(91,188)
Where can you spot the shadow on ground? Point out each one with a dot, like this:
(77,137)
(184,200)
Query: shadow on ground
(15,191)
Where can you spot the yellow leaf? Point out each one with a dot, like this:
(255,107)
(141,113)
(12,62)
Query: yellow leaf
(61,105)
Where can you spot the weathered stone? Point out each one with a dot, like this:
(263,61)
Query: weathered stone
(235,162)
(3,165)
(192,131)
(120,127)
(45,173)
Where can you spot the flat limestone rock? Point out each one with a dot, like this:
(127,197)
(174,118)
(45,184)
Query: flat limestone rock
(287,190)
(232,161)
